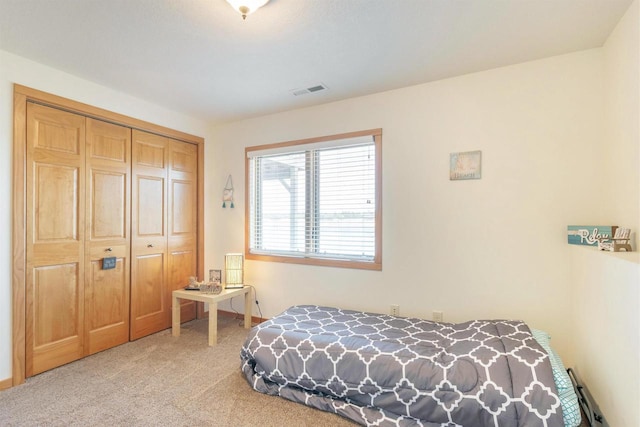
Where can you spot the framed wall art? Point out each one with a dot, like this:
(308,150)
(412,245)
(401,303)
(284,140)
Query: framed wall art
(465,165)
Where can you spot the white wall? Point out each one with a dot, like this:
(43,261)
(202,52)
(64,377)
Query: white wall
(490,248)
(15,69)
(606,293)
(622,118)
(606,287)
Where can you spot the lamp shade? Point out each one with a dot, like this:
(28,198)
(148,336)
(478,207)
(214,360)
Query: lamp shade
(234,269)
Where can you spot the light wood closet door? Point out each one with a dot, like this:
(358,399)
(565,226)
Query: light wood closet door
(108,163)
(183,224)
(150,309)
(54,238)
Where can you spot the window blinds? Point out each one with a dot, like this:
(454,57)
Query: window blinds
(314,200)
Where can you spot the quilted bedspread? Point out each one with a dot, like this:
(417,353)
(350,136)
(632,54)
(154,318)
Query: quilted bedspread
(383,370)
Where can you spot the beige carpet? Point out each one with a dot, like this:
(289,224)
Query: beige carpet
(157,381)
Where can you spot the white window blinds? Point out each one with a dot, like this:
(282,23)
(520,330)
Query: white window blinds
(314,200)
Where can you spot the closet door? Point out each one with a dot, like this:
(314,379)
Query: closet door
(150,309)
(108,164)
(54,238)
(183,225)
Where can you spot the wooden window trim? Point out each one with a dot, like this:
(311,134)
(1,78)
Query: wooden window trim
(21,96)
(377,261)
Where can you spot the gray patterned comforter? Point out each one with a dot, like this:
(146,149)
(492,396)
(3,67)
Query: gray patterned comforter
(382,370)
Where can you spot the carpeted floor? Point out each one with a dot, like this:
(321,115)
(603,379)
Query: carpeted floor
(157,381)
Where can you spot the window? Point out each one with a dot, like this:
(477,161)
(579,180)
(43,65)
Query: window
(316,201)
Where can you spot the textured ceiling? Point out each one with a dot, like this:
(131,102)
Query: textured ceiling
(200,58)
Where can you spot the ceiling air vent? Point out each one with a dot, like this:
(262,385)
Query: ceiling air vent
(311,89)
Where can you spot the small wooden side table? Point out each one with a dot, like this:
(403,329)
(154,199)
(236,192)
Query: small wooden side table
(212,300)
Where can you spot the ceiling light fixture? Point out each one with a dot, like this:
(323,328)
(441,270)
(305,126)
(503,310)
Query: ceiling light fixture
(247,7)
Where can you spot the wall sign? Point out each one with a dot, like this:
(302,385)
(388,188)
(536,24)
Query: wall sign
(589,235)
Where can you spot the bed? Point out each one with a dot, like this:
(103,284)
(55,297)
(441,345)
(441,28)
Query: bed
(384,370)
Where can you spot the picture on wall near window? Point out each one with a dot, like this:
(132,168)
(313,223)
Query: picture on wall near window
(465,165)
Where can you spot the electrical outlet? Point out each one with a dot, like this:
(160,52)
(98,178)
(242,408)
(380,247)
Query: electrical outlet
(395,310)
(438,316)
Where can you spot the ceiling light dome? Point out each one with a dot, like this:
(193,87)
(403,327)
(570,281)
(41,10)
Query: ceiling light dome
(247,7)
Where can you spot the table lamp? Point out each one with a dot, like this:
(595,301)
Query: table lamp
(233,264)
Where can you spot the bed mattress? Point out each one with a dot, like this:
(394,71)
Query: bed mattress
(383,370)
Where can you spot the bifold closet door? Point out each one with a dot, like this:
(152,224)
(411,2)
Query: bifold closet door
(108,164)
(183,226)
(110,230)
(55,230)
(150,310)
(164,229)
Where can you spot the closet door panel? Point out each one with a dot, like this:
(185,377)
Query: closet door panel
(54,280)
(56,322)
(151,207)
(150,309)
(55,131)
(183,212)
(108,204)
(54,287)
(107,291)
(107,305)
(149,272)
(55,187)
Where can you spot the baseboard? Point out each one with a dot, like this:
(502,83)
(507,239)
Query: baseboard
(5,384)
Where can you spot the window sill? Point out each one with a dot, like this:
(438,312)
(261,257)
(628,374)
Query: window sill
(361,265)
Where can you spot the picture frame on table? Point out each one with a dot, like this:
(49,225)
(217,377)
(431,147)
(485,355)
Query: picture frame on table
(215,276)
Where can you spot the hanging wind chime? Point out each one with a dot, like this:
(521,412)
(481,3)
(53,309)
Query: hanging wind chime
(227,193)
